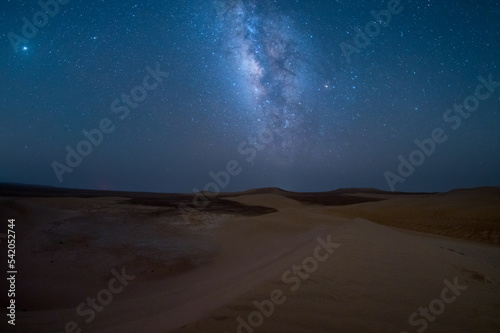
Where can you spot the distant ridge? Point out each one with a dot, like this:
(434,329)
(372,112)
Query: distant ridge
(18,189)
(27,190)
(262,190)
(280,191)
(492,190)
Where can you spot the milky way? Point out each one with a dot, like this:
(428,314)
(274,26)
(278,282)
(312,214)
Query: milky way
(268,54)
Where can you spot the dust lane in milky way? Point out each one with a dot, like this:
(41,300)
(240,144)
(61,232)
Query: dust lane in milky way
(270,62)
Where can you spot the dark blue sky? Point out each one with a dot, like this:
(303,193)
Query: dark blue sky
(303,95)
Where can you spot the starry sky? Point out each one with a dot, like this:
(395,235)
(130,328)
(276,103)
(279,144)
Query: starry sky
(310,95)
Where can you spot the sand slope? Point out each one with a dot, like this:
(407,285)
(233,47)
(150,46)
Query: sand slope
(203,279)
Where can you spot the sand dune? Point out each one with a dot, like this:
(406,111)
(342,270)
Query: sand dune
(468,214)
(392,256)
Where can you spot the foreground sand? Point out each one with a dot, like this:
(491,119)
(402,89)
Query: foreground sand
(204,275)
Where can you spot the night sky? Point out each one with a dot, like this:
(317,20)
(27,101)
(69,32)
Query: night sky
(303,95)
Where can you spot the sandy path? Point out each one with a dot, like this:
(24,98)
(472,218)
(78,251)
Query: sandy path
(374,282)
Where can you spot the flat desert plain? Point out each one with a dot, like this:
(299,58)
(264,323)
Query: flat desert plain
(266,260)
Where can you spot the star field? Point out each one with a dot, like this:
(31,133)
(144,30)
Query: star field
(248,78)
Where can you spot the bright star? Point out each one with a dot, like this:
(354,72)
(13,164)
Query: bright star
(25,48)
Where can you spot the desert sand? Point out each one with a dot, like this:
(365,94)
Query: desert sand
(389,255)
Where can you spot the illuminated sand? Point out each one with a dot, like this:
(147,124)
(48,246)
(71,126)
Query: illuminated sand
(203,276)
